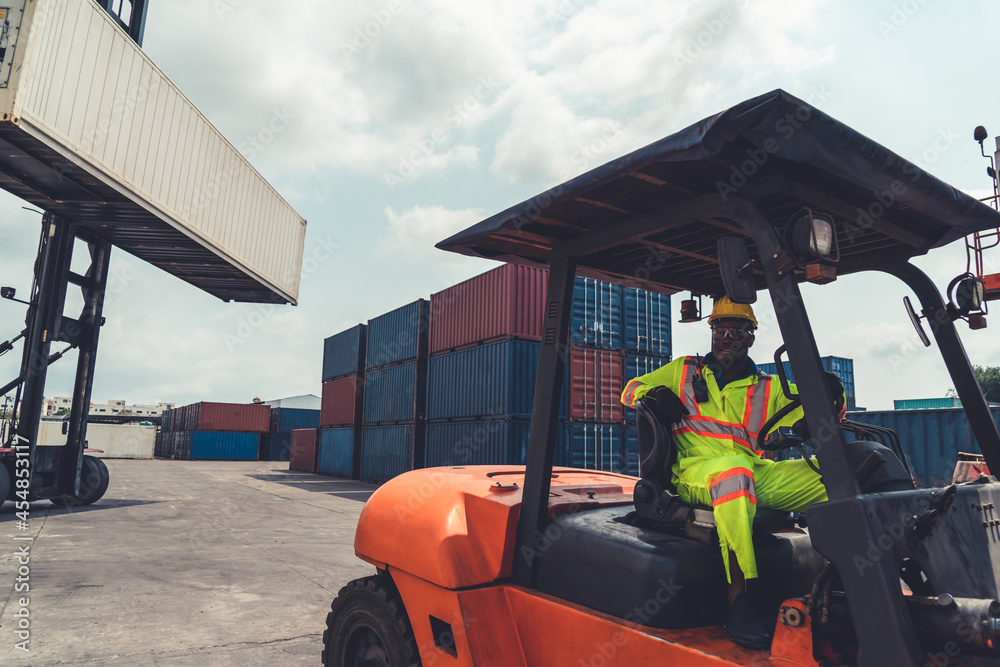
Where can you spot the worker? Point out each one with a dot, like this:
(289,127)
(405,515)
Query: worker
(727,401)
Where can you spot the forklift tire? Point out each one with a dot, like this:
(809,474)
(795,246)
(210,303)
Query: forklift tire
(94,479)
(367,625)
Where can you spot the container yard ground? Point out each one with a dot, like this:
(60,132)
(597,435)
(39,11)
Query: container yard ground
(185,563)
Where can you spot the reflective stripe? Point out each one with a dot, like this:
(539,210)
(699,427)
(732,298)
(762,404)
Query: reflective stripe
(727,435)
(629,395)
(732,484)
(687,382)
(756,412)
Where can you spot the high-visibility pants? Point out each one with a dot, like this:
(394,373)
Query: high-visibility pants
(735,486)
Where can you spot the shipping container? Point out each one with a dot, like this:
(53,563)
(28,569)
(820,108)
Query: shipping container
(343,401)
(931,439)
(387,451)
(158,445)
(596,384)
(286,420)
(116,147)
(344,353)
(482,442)
(496,379)
(167,420)
(632,448)
(182,446)
(596,319)
(926,403)
(841,367)
(304,450)
(597,446)
(223,446)
(247,417)
(278,446)
(395,394)
(337,451)
(640,364)
(647,322)
(503,303)
(398,336)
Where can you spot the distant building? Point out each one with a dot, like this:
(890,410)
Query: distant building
(52,406)
(304,402)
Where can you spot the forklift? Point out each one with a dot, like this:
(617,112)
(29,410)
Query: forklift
(535,565)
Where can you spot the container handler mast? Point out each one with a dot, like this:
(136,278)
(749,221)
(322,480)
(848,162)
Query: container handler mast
(535,565)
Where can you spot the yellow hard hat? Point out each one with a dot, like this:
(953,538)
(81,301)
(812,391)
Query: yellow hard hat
(724,308)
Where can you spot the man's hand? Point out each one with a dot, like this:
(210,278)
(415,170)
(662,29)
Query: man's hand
(669,408)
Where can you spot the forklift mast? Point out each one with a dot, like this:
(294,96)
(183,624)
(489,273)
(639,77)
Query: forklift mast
(56,470)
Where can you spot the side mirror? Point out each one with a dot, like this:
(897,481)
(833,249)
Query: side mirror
(737,270)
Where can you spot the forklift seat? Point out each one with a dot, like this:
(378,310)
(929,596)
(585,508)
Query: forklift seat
(655,495)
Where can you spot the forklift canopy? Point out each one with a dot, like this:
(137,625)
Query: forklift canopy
(774,150)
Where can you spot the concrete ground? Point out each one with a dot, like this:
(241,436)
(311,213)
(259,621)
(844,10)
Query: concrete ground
(183,563)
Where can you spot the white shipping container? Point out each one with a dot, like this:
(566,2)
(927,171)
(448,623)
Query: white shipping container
(93,131)
(116,441)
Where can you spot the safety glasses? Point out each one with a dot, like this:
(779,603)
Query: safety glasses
(730,333)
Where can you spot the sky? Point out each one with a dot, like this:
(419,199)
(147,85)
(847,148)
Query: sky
(404,122)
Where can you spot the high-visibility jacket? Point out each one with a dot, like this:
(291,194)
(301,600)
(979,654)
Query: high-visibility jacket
(729,421)
(716,462)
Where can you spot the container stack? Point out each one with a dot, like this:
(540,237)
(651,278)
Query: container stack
(839,366)
(485,338)
(395,393)
(341,411)
(214,431)
(283,421)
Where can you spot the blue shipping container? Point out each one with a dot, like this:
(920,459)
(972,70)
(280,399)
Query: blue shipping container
(492,380)
(344,353)
(597,446)
(930,438)
(280,447)
(596,319)
(647,322)
(390,394)
(336,451)
(286,420)
(839,366)
(399,335)
(224,446)
(386,451)
(632,449)
(484,442)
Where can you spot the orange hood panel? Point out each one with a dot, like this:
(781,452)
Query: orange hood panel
(455,527)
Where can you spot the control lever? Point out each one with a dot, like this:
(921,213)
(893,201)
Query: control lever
(941,502)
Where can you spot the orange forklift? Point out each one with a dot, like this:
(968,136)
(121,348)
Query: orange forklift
(535,565)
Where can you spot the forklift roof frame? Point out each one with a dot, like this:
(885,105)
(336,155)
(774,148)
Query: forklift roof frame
(653,218)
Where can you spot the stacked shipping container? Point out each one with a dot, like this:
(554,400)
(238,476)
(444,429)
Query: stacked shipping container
(342,405)
(284,421)
(484,358)
(839,366)
(395,388)
(214,431)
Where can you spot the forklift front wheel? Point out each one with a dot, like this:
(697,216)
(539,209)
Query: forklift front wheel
(367,625)
(94,479)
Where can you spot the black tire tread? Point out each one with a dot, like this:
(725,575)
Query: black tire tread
(104,478)
(382,589)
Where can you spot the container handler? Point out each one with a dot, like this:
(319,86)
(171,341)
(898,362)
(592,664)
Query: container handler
(535,565)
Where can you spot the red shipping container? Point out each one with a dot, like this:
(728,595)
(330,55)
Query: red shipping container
(506,302)
(246,417)
(342,402)
(302,455)
(596,381)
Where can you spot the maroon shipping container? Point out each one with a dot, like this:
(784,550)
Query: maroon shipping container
(596,380)
(244,417)
(506,302)
(342,402)
(302,455)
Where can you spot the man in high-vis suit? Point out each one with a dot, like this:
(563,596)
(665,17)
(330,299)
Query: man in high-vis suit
(728,401)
